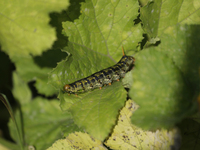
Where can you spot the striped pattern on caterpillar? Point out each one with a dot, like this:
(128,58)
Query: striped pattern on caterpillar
(103,77)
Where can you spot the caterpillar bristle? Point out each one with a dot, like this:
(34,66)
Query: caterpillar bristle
(123,51)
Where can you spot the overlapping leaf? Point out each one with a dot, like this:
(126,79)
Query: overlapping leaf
(21,91)
(161,91)
(46,118)
(96,114)
(181,43)
(29,70)
(6,145)
(36,117)
(159,15)
(25,25)
(127,136)
(105,26)
(164,83)
(25,30)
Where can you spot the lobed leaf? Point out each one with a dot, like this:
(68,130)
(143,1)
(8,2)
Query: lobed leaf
(96,111)
(181,43)
(160,15)
(151,22)
(45,117)
(21,91)
(128,136)
(25,25)
(105,26)
(30,69)
(160,90)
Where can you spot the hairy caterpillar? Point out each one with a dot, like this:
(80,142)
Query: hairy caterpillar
(103,77)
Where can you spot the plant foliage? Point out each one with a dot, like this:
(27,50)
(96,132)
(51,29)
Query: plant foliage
(52,44)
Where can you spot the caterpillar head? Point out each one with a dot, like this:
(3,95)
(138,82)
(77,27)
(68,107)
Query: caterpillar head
(68,88)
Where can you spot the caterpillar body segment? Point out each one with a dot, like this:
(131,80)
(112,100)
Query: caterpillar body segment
(103,77)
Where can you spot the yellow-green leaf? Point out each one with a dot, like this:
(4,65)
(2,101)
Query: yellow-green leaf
(128,136)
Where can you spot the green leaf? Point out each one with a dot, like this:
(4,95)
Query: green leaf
(151,22)
(7,145)
(70,127)
(127,136)
(43,87)
(189,12)
(73,12)
(144,2)
(128,80)
(181,43)
(103,27)
(21,91)
(25,25)
(28,69)
(160,90)
(42,121)
(159,15)
(96,111)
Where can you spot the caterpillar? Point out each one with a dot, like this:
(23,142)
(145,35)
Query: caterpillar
(103,77)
